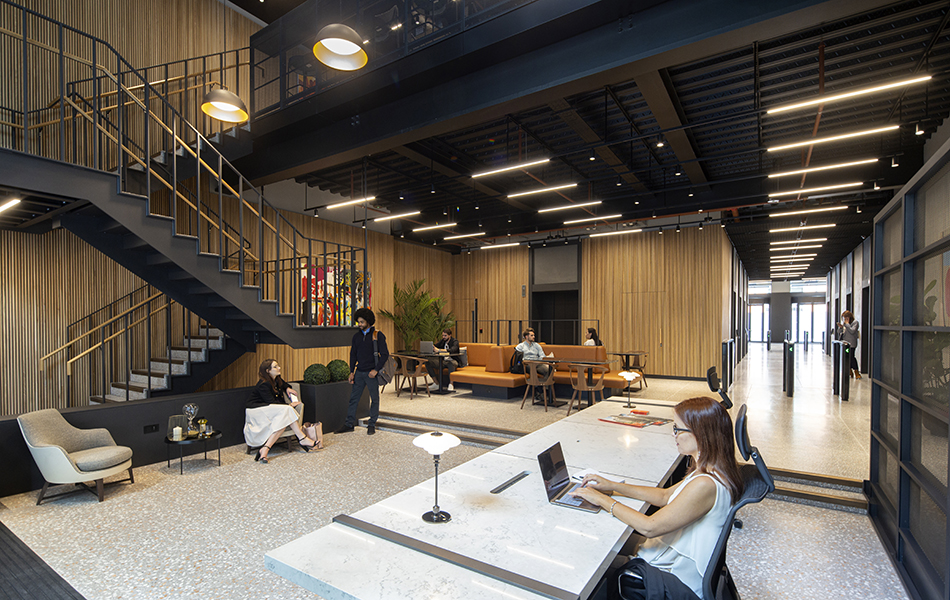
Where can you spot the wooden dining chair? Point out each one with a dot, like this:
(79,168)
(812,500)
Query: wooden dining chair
(412,369)
(638,362)
(579,382)
(533,380)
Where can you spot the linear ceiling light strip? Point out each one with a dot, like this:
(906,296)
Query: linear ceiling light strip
(834,138)
(825,168)
(817,189)
(443,226)
(589,219)
(542,190)
(350,202)
(399,216)
(615,232)
(786,248)
(836,97)
(803,227)
(501,245)
(467,235)
(511,168)
(799,241)
(808,211)
(567,206)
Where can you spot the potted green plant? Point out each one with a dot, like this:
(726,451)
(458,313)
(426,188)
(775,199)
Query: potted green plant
(418,315)
(325,393)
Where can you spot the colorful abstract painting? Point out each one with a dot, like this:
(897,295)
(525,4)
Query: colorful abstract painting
(330,299)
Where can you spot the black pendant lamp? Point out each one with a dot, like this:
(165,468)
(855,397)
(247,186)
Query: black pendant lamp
(340,47)
(224,105)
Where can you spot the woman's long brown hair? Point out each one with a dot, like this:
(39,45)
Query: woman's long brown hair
(262,372)
(711,425)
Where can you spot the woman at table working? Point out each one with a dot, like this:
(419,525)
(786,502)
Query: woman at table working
(682,535)
(268,415)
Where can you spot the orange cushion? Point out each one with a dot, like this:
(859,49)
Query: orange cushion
(478,376)
(477,353)
(499,359)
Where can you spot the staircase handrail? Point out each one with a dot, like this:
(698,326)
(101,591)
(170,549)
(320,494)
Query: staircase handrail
(69,363)
(113,303)
(44,358)
(144,84)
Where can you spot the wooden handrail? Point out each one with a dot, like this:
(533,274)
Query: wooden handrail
(69,363)
(101,325)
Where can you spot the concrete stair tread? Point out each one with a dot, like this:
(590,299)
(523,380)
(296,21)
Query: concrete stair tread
(418,429)
(500,431)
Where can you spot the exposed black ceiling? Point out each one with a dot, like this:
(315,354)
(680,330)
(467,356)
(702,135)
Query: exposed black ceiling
(267,10)
(711,115)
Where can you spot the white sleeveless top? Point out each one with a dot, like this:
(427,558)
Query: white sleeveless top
(686,552)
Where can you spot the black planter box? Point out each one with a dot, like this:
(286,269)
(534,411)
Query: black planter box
(328,402)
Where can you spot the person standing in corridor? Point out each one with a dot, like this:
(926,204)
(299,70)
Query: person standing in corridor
(365,364)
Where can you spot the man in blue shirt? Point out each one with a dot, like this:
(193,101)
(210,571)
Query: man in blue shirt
(364,366)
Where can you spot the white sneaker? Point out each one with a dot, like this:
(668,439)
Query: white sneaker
(451,388)
(433,387)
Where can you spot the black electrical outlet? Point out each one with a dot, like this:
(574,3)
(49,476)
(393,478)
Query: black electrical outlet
(151,428)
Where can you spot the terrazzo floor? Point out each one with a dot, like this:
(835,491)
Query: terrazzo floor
(204,534)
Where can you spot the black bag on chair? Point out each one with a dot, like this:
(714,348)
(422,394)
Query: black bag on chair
(517,363)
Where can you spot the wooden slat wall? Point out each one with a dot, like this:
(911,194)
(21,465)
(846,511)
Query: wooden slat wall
(663,294)
(495,278)
(41,276)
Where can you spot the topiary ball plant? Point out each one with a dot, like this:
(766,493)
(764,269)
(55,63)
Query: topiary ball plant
(317,374)
(339,370)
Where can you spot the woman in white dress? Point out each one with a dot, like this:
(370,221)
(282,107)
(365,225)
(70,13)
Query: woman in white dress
(682,535)
(268,415)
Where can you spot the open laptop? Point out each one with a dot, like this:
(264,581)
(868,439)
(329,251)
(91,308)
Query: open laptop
(557,481)
(426,347)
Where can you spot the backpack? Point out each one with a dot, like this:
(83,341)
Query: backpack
(517,363)
(386,374)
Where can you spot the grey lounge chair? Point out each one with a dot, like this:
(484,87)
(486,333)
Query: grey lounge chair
(66,454)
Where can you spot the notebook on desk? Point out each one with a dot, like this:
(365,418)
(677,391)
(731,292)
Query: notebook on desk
(426,347)
(557,481)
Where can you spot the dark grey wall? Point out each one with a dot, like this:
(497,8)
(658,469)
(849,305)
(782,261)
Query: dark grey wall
(780,315)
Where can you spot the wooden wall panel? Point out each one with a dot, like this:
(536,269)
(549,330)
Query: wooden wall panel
(495,278)
(659,294)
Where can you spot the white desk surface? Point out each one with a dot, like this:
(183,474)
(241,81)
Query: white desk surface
(516,530)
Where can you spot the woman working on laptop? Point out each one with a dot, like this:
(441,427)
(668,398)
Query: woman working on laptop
(682,535)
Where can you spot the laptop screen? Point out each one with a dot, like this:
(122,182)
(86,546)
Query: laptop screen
(553,470)
(426,347)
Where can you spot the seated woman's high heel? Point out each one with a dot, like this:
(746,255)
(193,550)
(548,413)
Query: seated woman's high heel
(307,448)
(259,457)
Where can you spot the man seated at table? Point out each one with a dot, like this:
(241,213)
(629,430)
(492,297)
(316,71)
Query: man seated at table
(448,345)
(532,350)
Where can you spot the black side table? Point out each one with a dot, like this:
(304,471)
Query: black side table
(186,441)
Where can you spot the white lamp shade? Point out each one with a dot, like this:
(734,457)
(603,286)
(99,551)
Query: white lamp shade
(436,442)
(628,375)
(224,105)
(340,47)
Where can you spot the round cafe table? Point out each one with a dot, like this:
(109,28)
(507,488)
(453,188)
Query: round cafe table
(188,441)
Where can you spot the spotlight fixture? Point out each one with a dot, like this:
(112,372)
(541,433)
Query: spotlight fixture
(351,202)
(918,130)
(541,190)
(700,226)
(501,245)
(661,231)
(677,173)
(511,168)
(824,168)
(340,47)
(619,181)
(723,225)
(431,188)
(401,197)
(477,206)
(691,195)
(836,97)
(834,138)
(467,235)
(803,227)
(808,241)
(399,216)
(224,105)
(816,189)
(567,206)
(677,228)
(615,232)
(659,142)
(591,157)
(894,162)
(808,211)
(877,186)
(445,226)
(589,219)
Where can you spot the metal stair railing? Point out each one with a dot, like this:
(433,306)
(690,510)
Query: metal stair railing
(129,333)
(141,123)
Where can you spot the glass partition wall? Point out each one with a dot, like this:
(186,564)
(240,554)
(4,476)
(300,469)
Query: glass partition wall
(911,379)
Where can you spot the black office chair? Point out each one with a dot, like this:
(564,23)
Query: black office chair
(717,582)
(712,379)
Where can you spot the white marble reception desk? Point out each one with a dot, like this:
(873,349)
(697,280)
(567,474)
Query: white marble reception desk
(508,545)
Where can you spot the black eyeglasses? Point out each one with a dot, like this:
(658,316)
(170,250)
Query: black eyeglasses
(679,430)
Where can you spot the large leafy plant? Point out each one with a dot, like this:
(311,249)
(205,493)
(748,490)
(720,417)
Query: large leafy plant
(418,315)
